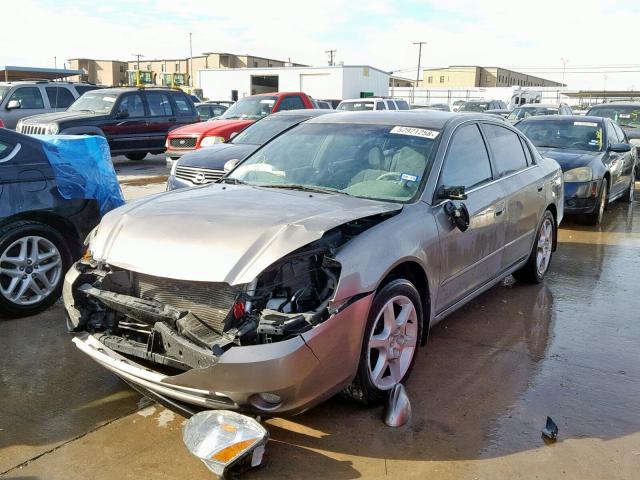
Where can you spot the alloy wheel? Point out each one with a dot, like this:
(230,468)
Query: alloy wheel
(545,246)
(392,343)
(30,270)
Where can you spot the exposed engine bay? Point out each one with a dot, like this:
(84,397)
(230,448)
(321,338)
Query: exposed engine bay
(183,324)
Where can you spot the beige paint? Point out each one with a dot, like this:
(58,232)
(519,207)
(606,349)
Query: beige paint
(475,76)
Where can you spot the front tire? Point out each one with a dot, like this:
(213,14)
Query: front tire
(33,260)
(595,217)
(540,258)
(136,156)
(391,338)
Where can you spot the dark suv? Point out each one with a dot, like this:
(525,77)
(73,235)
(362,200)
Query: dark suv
(134,121)
(41,233)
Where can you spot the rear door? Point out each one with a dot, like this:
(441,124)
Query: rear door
(471,258)
(519,177)
(161,118)
(184,109)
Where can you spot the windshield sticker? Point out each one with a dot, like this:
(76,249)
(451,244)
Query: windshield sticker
(268,101)
(408,177)
(109,99)
(416,132)
(625,115)
(585,124)
(598,140)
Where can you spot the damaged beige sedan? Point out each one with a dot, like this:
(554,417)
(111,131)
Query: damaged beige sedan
(317,265)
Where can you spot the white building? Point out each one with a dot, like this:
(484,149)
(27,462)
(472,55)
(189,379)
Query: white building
(327,83)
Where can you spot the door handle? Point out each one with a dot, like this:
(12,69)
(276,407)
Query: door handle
(539,187)
(499,208)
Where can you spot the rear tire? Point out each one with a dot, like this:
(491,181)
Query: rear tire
(540,258)
(595,217)
(136,156)
(391,339)
(33,261)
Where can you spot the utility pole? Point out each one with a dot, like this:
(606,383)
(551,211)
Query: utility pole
(138,56)
(55,62)
(418,73)
(331,54)
(190,61)
(564,68)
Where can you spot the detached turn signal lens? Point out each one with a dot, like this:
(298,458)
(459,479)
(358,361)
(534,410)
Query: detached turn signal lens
(222,439)
(238,310)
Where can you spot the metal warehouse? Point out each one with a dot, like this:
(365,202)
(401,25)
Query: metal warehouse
(330,83)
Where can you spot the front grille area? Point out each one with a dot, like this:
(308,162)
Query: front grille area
(32,129)
(210,302)
(198,176)
(183,142)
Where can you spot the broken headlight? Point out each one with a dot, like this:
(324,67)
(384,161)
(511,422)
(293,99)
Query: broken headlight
(223,439)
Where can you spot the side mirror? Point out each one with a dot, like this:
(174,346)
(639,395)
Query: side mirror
(452,193)
(122,114)
(231,164)
(458,215)
(620,147)
(13,104)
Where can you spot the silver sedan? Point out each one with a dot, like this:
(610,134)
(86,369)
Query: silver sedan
(317,265)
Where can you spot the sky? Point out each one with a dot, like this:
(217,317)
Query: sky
(598,38)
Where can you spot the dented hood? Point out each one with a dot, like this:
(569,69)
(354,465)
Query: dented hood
(221,233)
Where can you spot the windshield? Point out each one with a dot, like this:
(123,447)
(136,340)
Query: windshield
(267,128)
(94,101)
(3,91)
(525,112)
(474,107)
(250,108)
(383,162)
(564,134)
(356,106)
(625,116)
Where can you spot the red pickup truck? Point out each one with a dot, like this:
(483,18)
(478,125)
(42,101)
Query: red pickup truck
(242,113)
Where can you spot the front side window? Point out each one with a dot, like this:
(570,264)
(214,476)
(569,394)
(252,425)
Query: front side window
(59,97)
(384,162)
(132,103)
(204,112)
(250,108)
(506,148)
(293,102)
(467,161)
(28,97)
(402,105)
(159,105)
(612,135)
(391,105)
(621,135)
(564,134)
(5,149)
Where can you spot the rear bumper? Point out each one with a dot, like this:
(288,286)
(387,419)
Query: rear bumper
(580,197)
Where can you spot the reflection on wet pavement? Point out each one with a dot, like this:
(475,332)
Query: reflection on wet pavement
(480,392)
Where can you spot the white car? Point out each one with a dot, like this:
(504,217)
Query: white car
(373,103)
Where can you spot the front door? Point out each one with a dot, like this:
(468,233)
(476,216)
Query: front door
(127,131)
(471,258)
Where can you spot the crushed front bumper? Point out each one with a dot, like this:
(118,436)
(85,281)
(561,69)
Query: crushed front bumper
(301,371)
(580,197)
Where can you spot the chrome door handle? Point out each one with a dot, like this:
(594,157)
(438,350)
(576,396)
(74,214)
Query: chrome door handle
(499,209)
(540,187)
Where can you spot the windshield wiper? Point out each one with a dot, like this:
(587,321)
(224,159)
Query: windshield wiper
(550,146)
(304,188)
(232,180)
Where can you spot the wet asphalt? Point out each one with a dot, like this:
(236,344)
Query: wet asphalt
(480,392)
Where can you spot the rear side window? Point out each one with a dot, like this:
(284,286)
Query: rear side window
(467,161)
(159,105)
(28,97)
(380,106)
(390,105)
(5,149)
(59,97)
(183,104)
(506,148)
(204,111)
(293,102)
(402,105)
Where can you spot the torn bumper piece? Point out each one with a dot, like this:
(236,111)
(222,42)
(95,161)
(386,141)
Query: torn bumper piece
(289,376)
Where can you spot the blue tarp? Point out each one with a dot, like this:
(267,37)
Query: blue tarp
(83,169)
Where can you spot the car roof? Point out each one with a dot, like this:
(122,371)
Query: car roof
(538,105)
(305,112)
(404,118)
(367,99)
(564,118)
(119,90)
(275,94)
(616,104)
